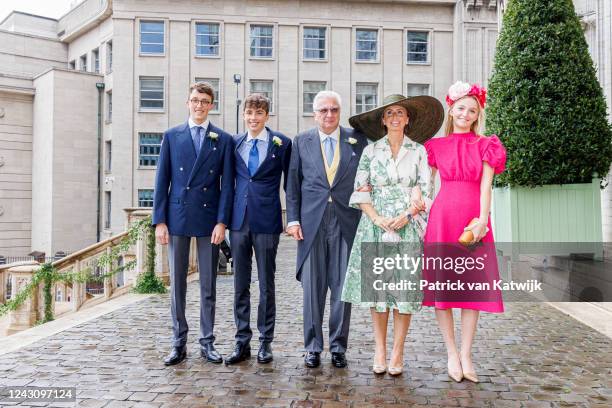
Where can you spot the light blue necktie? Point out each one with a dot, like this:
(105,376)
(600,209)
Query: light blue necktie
(253,158)
(328,145)
(197,139)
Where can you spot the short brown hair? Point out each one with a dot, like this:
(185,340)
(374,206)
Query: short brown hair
(205,88)
(257,101)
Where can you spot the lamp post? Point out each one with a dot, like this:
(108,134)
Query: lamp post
(237,79)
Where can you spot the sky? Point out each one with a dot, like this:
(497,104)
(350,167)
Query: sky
(47,8)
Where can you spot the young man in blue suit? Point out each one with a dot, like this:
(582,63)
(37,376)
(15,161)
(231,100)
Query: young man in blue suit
(194,190)
(261,158)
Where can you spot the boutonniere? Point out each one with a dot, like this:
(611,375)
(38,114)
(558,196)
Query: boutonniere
(213,136)
(351,141)
(277,141)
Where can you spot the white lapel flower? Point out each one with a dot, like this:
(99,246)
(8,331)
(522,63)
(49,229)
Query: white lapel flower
(351,140)
(277,141)
(213,135)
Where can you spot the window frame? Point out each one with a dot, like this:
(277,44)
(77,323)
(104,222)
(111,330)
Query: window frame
(419,83)
(109,106)
(325,38)
(109,56)
(271,81)
(378,45)
(366,107)
(95,58)
(140,43)
(218,98)
(140,99)
(304,113)
(151,145)
(250,33)
(195,37)
(108,210)
(83,63)
(151,199)
(407,44)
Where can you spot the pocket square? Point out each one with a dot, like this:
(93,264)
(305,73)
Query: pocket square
(354,154)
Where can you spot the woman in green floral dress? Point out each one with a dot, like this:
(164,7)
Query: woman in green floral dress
(393,175)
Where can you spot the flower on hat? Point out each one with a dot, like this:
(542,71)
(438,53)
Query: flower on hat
(462,89)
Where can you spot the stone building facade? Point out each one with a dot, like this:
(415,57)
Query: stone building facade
(84,99)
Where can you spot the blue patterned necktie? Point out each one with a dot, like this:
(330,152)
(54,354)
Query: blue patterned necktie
(328,145)
(197,140)
(253,158)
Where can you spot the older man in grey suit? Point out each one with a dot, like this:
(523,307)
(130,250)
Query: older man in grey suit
(321,176)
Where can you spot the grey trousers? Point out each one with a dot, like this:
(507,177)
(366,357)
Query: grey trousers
(325,267)
(208,258)
(243,242)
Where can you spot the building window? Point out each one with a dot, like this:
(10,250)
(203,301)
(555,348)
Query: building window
(418,47)
(109,106)
(83,63)
(417,89)
(366,96)
(366,46)
(265,88)
(95,56)
(72,64)
(145,198)
(207,39)
(109,156)
(261,41)
(107,212)
(149,148)
(314,43)
(151,37)
(152,93)
(109,56)
(215,84)
(311,89)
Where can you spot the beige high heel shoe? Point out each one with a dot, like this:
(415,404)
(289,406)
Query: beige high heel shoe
(456,376)
(379,368)
(395,371)
(471,376)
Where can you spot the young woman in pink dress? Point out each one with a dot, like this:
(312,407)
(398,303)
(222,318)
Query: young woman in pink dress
(466,162)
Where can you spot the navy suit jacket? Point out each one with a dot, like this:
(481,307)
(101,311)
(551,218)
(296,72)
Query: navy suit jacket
(308,190)
(194,192)
(260,193)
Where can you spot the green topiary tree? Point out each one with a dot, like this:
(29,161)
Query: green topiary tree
(545,101)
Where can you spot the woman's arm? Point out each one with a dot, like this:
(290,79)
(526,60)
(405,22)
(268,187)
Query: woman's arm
(486,182)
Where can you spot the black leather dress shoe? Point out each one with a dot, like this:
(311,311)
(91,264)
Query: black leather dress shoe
(177,355)
(241,352)
(312,359)
(338,359)
(211,355)
(264,355)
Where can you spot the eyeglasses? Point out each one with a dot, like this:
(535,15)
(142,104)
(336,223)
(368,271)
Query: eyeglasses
(203,102)
(325,111)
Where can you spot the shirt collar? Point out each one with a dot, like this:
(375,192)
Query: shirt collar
(334,135)
(204,124)
(262,136)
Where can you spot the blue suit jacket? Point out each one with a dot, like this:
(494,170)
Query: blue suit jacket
(260,193)
(308,190)
(194,193)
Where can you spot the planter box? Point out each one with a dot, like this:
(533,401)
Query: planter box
(569,214)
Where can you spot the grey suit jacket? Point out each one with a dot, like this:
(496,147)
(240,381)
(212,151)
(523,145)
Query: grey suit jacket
(308,190)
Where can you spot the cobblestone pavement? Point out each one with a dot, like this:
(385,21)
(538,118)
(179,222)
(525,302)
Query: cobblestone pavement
(531,356)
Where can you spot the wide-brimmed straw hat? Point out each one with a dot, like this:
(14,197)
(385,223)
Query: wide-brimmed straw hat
(425,112)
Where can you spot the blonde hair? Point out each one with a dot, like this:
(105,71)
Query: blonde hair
(476,126)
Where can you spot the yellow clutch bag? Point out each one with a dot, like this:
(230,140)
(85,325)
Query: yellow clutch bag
(467,237)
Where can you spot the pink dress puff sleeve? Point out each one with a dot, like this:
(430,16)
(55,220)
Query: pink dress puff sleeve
(493,152)
(431,158)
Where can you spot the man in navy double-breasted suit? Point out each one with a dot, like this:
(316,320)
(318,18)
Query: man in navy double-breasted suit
(261,157)
(194,190)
